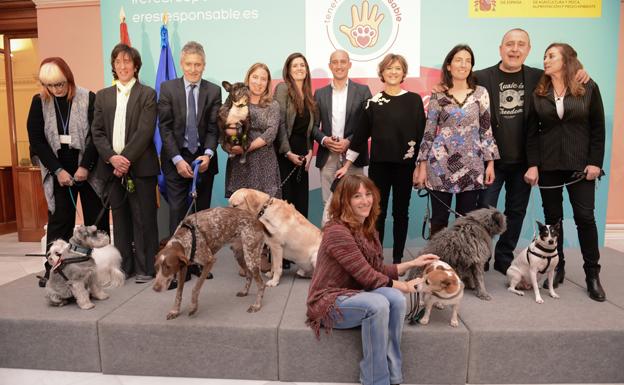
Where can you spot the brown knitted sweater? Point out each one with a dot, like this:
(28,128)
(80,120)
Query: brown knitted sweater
(346,264)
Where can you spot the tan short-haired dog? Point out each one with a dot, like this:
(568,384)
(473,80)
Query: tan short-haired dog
(198,239)
(441,286)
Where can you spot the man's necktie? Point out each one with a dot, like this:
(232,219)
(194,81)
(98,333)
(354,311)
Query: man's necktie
(191,122)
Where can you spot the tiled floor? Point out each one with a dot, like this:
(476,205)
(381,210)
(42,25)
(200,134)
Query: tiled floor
(14,263)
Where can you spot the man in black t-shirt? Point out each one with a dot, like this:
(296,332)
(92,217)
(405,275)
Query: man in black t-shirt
(510,84)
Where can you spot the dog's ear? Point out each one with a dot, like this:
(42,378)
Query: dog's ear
(499,219)
(226,85)
(540,225)
(557,226)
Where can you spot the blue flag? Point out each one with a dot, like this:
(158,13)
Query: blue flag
(166,71)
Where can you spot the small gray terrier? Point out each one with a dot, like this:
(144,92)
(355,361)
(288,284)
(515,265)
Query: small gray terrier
(467,245)
(74,271)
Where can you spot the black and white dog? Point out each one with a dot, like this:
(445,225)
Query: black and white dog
(539,258)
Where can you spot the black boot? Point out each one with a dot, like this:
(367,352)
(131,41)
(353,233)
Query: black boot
(596,292)
(559,276)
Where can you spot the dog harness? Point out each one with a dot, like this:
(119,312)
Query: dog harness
(193,240)
(545,250)
(84,255)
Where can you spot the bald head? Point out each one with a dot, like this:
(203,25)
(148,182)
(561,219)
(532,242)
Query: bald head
(514,50)
(340,64)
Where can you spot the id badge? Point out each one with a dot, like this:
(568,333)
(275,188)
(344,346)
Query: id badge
(65,139)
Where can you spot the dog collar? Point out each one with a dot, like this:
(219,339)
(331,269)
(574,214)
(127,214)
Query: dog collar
(264,207)
(83,251)
(542,248)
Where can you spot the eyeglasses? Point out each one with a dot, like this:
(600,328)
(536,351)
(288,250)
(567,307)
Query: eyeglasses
(56,85)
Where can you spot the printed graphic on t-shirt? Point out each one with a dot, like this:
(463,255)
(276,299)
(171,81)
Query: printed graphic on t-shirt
(511,96)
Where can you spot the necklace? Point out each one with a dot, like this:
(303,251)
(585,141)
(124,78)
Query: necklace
(559,95)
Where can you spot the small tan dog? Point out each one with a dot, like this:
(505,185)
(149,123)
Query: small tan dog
(288,233)
(198,239)
(441,286)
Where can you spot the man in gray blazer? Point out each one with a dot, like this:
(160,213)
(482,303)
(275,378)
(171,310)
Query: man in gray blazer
(341,105)
(124,121)
(187,112)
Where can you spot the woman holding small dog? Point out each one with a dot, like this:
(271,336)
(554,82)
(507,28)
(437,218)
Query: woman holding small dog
(566,144)
(58,131)
(352,287)
(261,171)
(295,140)
(457,142)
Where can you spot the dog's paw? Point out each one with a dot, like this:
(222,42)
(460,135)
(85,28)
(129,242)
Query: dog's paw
(102,296)
(424,321)
(454,323)
(438,305)
(269,274)
(87,306)
(539,300)
(302,273)
(253,308)
(554,295)
(173,314)
(241,294)
(193,310)
(272,283)
(484,296)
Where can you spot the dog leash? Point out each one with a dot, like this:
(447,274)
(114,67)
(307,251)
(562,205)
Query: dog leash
(299,173)
(422,192)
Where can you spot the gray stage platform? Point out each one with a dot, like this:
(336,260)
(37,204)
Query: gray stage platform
(510,339)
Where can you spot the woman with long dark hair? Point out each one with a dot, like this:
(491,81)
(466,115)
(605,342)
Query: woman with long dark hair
(567,143)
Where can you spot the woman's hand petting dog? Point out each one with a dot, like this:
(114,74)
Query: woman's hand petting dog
(419,261)
(407,286)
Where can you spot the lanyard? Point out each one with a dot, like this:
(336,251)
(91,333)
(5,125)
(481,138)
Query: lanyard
(63,121)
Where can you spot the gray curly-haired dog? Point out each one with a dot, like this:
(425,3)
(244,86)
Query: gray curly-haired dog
(466,245)
(74,271)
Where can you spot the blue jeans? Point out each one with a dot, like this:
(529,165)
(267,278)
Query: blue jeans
(517,193)
(381,313)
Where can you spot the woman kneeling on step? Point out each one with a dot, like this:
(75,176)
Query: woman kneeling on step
(352,287)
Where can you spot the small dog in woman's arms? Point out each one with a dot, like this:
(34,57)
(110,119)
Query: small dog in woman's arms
(441,286)
(82,267)
(467,245)
(539,258)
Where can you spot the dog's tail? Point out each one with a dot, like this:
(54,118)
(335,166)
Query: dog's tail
(110,277)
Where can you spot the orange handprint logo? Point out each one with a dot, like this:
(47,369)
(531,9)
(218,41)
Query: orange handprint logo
(364,30)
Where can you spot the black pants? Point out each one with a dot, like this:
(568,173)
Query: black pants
(582,200)
(178,189)
(517,193)
(61,223)
(134,225)
(398,178)
(465,202)
(295,190)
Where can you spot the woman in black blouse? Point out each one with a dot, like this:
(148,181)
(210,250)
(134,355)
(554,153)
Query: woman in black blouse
(567,140)
(394,119)
(294,140)
(58,130)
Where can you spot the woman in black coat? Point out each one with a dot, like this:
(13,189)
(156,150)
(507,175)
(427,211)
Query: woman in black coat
(566,143)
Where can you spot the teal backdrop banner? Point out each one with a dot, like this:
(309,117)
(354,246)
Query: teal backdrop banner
(238,33)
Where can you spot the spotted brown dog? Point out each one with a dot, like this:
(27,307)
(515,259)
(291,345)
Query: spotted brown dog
(198,238)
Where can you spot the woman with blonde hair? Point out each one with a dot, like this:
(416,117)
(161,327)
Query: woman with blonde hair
(351,286)
(261,171)
(59,133)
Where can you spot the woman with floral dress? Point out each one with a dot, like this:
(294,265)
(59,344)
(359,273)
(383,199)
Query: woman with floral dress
(457,142)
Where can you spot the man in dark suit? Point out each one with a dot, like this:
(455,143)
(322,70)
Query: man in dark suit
(123,127)
(340,104)
(187,112)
